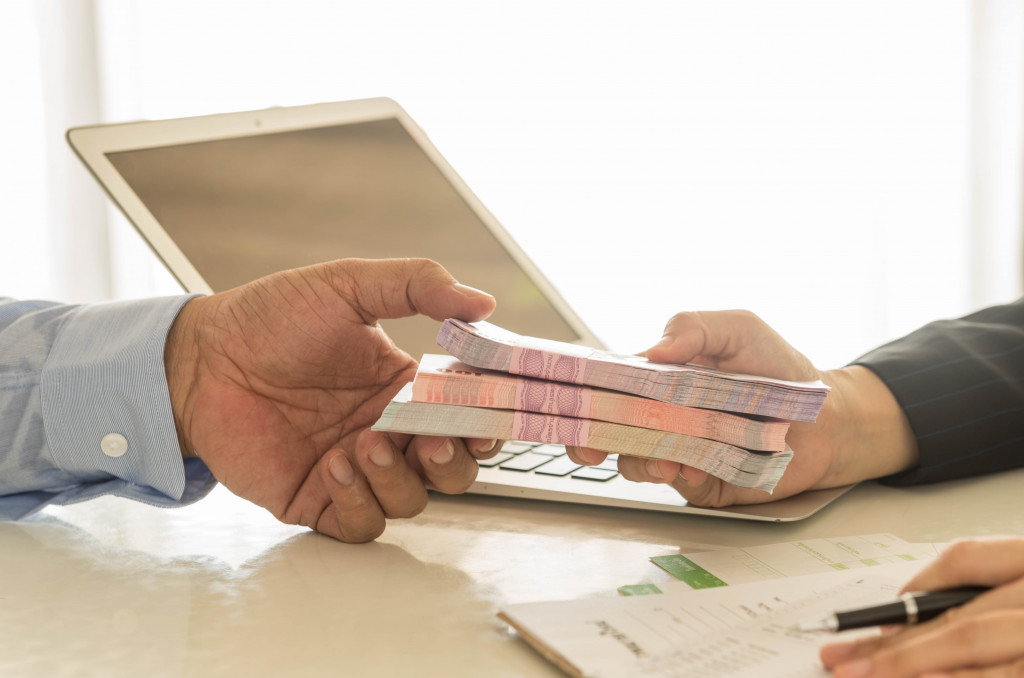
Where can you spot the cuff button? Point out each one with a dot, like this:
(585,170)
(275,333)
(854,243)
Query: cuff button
(114,444)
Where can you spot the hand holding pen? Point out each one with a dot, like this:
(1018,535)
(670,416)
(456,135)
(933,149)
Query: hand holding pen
(911,608)
(983,637)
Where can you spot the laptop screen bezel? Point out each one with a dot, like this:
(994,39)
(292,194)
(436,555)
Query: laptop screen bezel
(92,144)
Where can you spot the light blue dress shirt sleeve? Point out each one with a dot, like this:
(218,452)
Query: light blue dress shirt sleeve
(84,408)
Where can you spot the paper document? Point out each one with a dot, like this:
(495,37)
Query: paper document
(724,567)
(741,631)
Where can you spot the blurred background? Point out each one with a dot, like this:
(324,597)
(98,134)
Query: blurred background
(849,171)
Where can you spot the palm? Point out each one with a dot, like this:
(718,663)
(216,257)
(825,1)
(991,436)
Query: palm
(741,342)
(276,391)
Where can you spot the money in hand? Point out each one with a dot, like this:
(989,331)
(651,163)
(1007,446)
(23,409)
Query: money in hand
(443,379)
(490,347)
(507,386)
(759,470)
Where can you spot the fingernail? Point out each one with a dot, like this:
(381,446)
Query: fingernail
(855,669)
(654,469)
(382,455)
(686,473)
(468,291)
(444,454)
(486,446)
(341,470)
(665,342)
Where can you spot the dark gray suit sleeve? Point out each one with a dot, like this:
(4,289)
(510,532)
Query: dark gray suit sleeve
(961,383)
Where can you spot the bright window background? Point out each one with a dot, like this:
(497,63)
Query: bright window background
(25,264)
(813,161)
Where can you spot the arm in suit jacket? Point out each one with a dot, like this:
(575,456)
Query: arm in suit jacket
(961,384)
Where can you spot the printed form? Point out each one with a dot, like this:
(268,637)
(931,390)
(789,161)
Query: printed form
(725,567)
(740,631)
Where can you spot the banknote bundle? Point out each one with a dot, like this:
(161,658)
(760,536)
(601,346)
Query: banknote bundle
(736,465)
(506,386)
(444,379)
(490,347)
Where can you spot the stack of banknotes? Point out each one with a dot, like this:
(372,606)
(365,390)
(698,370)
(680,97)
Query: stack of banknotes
(506,386)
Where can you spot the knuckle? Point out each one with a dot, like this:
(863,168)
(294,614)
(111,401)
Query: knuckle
(427,269)
(681,319)
(748,316)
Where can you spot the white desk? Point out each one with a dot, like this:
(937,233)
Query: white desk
(114,588)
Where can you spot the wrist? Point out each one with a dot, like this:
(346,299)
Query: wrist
(865,426)
(181,360)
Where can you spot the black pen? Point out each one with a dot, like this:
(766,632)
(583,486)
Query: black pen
(911,608)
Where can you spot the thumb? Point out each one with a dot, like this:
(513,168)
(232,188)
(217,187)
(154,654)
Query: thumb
(693,335)
(396,288)
(731,340)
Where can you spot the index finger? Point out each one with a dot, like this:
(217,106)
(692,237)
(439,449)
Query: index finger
(985,562)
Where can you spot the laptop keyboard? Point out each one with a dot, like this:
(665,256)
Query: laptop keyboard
(549,460)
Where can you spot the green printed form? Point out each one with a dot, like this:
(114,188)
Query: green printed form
(685,570)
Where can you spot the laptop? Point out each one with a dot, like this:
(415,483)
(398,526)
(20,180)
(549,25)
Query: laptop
(225,199)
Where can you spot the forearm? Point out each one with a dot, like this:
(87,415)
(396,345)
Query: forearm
(69,378)
(865,427)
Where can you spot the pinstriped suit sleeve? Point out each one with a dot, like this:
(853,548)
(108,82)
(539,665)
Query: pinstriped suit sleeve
(71,375)
(961,383)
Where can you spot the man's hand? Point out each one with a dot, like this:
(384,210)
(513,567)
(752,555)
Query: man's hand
(985,637)
(274,385)
(861,431)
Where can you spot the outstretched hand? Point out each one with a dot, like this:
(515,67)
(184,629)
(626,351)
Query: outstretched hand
(274,385)
(859,419)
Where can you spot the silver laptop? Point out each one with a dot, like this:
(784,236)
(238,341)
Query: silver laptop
(225,199)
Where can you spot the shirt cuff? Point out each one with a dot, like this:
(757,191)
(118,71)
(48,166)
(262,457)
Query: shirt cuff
(106,409)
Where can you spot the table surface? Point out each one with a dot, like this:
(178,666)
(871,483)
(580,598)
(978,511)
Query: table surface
(220,588)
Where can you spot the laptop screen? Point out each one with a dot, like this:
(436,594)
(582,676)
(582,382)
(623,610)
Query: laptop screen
(243,207)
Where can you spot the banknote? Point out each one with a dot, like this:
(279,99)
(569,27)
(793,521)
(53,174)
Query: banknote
(744,468)
(444,379)
(490,347)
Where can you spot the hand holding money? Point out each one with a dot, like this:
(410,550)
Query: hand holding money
(549,408)
(860,432)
